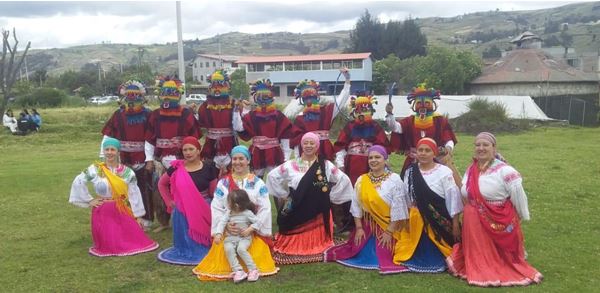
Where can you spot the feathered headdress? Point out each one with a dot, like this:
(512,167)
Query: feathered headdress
(132,91)
(262,88)
(218,84)
(307,89)
(421,91)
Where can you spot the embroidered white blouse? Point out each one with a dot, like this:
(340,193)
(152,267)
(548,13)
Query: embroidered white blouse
(440,180)
(80,195)
(259,195)
(499,182)
(289,174)
(392,190)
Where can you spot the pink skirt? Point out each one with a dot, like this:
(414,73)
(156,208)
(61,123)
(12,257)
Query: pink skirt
(481,263)
(117,234)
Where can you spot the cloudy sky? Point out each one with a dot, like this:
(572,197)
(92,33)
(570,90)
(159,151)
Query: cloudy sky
(64,24)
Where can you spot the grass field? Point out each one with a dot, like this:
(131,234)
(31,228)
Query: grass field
(44,239)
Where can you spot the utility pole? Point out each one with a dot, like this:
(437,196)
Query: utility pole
(180,49)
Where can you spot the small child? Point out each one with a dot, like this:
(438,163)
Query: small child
(241,215)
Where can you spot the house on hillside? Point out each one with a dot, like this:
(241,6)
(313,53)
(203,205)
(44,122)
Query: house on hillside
(286,71)
(561,91)
(205,64)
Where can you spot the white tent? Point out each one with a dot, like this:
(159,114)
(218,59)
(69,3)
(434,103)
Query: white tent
(518,107)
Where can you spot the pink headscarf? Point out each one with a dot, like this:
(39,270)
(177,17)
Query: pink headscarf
(486,136)
(311,136)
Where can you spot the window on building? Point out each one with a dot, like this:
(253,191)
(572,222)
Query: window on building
(337,64)
(251,68)
(327,65)
(201,77)
(316,65)
(214,64)
(306,65)
(207,64)
(297,66)
(274,67)
(290,90)
(260,67)
(201,64)
(276,90)
(357,64)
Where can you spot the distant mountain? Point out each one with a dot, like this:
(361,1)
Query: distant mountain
(475,31)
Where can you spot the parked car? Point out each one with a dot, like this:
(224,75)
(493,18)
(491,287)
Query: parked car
(195,98)
(103,100)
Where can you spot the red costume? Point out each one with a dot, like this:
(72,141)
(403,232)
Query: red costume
(268,128)
(424,123)
(317,118)
(216,115)
(355,139)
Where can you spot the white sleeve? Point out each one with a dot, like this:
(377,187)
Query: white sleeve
(450,144)
(101,144)
(149,151)
(218,206)
(340,101)
(342,191)
(296,152)
(399,204)
(355,207)
(135,198)
(339,158)
(452,198)
(265,218)
(238,125)
(277,181)
(285,147)
(393,124)
(80,195)
(517,194)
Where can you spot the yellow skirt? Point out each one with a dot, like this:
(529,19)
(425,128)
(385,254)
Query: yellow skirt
(215,267)
(407,244)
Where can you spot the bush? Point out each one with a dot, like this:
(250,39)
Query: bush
(43,97)
(487,116)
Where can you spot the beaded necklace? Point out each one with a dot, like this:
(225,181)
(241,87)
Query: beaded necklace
(377,180)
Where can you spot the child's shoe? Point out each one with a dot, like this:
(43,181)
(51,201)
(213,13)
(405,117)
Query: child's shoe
(239,276)
(253,276)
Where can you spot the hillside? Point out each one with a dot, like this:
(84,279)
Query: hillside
(476,31)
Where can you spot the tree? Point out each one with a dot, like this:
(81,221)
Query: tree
(366,36)
(40,76)
(412,41)
(8,68)
(566,40)
(239,87)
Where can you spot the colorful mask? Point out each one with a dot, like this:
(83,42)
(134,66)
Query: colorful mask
(307,93)
(424,105)
(169,94)
(363,108)
(262,93)
(219,85)
(133,93)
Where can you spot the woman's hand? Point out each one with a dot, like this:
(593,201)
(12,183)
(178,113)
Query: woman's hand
(247,232)
(233,229)
(173,205)
(96,202)
(218,238)
(140,222)
(456,231)
(385,240)
(359,235)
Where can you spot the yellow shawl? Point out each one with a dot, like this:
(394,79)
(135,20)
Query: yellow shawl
(118,187)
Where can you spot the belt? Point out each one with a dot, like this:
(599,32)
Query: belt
(169,143)
(323,134)
(263,142)
(132,146)
(217,133)
(359,148)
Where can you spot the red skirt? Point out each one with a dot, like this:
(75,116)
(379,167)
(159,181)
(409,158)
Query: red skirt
(477,259)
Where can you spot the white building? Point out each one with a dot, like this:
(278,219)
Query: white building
(205,64)
(286,71)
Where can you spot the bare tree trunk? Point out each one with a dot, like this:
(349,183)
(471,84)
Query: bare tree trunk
(8,68)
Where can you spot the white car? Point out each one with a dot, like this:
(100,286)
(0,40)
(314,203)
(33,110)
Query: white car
(103,100)
(195,98)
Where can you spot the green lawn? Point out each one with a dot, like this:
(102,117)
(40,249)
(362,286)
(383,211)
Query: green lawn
(44,239)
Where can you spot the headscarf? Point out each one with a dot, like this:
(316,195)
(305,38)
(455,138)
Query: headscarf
(111,142)
(486,136)
(241,149)
(311,136)
(191,140)
(380,149)
(429,142)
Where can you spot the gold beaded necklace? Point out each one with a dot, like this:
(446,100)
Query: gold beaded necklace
(377,180)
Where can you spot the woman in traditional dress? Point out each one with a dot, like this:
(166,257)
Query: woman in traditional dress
(117,207)
(435,207)
(215,266)
(380,210)
(308,185)
(492,252)
(185,191)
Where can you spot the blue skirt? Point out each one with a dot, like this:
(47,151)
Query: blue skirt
(185,251)
(366,259)
(427,258)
